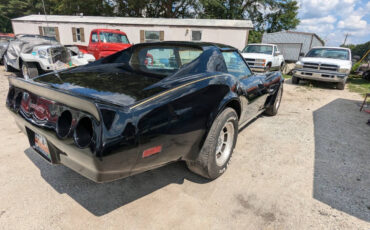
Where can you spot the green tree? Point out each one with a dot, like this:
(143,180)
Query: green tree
(266,15)
(358,50)
(157,8)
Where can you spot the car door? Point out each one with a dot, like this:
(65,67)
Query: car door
(93,45)
(253,92)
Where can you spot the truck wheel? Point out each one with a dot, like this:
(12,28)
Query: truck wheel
(295,80)
(268,67)
(273,109)
(282,66)
(29,70)
(218,147)
(366,75)
(6,66)
(340,85)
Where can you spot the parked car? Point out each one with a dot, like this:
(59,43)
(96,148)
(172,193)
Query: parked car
(35,54)
(104,42)
(329,64)
(4,42)
(263,57)
(121,115)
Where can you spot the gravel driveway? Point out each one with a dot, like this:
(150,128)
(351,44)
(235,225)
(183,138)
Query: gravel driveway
(306,168)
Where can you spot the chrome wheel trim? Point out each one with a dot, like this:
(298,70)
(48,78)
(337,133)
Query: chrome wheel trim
(278,98)
(25,72)
(225,143)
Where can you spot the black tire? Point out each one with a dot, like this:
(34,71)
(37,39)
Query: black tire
(295,80)
(268,67)
(366,75)
(282,66)
(273,109)
(30,69)
(206,164)
(6,66)
(341,85)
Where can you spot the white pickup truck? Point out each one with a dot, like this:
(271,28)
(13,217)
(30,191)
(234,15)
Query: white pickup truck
(330,64)
(263,57)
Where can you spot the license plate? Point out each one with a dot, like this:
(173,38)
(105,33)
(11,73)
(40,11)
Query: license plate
(41,145)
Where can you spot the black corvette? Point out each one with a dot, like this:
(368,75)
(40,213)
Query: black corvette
(144,107)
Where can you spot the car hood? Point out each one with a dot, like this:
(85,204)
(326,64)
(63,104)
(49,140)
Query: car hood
(341,63)
(256,55)
(112,83)
(114,46)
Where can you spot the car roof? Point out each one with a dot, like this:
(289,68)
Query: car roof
(262,44)
(201,45)
(109,30)
(330,47)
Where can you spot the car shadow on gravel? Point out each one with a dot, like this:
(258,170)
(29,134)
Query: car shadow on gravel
(100,199)
(342,158)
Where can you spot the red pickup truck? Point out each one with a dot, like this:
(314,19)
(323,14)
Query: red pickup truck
(104,42)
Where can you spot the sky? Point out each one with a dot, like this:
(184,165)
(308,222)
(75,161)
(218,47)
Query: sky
(332,19)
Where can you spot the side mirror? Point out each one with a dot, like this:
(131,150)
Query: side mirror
(301,54)
(277,53)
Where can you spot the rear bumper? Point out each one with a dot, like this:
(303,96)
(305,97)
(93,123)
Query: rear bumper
(66,153)
(320,76)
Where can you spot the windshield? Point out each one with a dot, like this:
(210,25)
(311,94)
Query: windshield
(329,53)
(259,49)
(36,36)
(6,39)
(108,37)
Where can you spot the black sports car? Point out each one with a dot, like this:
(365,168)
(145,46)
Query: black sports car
(144,107)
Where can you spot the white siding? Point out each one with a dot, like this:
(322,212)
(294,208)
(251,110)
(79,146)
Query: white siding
(234,36)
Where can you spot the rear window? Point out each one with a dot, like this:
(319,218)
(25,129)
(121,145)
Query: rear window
(163,60)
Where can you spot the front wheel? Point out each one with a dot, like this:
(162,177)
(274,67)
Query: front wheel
(6,66)
(29,70)
(273,109)
(295,80)
(218,147)
(340,85)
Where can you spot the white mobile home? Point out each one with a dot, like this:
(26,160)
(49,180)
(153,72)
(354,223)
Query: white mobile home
(292,43)
(76,29)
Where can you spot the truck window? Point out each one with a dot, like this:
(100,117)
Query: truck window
(109,37)
(94,37)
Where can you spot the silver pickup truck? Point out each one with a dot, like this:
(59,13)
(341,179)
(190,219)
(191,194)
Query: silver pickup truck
(329,64)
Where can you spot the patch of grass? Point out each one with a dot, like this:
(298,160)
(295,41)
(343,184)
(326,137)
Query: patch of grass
(358,85)
(287,76)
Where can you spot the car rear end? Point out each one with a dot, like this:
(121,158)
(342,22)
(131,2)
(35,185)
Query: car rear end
(69,130)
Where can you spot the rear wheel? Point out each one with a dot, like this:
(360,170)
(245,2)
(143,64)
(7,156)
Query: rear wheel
(295,80)
(282,66)
(218,147)
(340,85)
(29,70)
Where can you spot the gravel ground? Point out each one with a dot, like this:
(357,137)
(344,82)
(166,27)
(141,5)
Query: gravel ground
(306,168)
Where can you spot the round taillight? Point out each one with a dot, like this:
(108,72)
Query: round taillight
(83,133)
(64,124)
